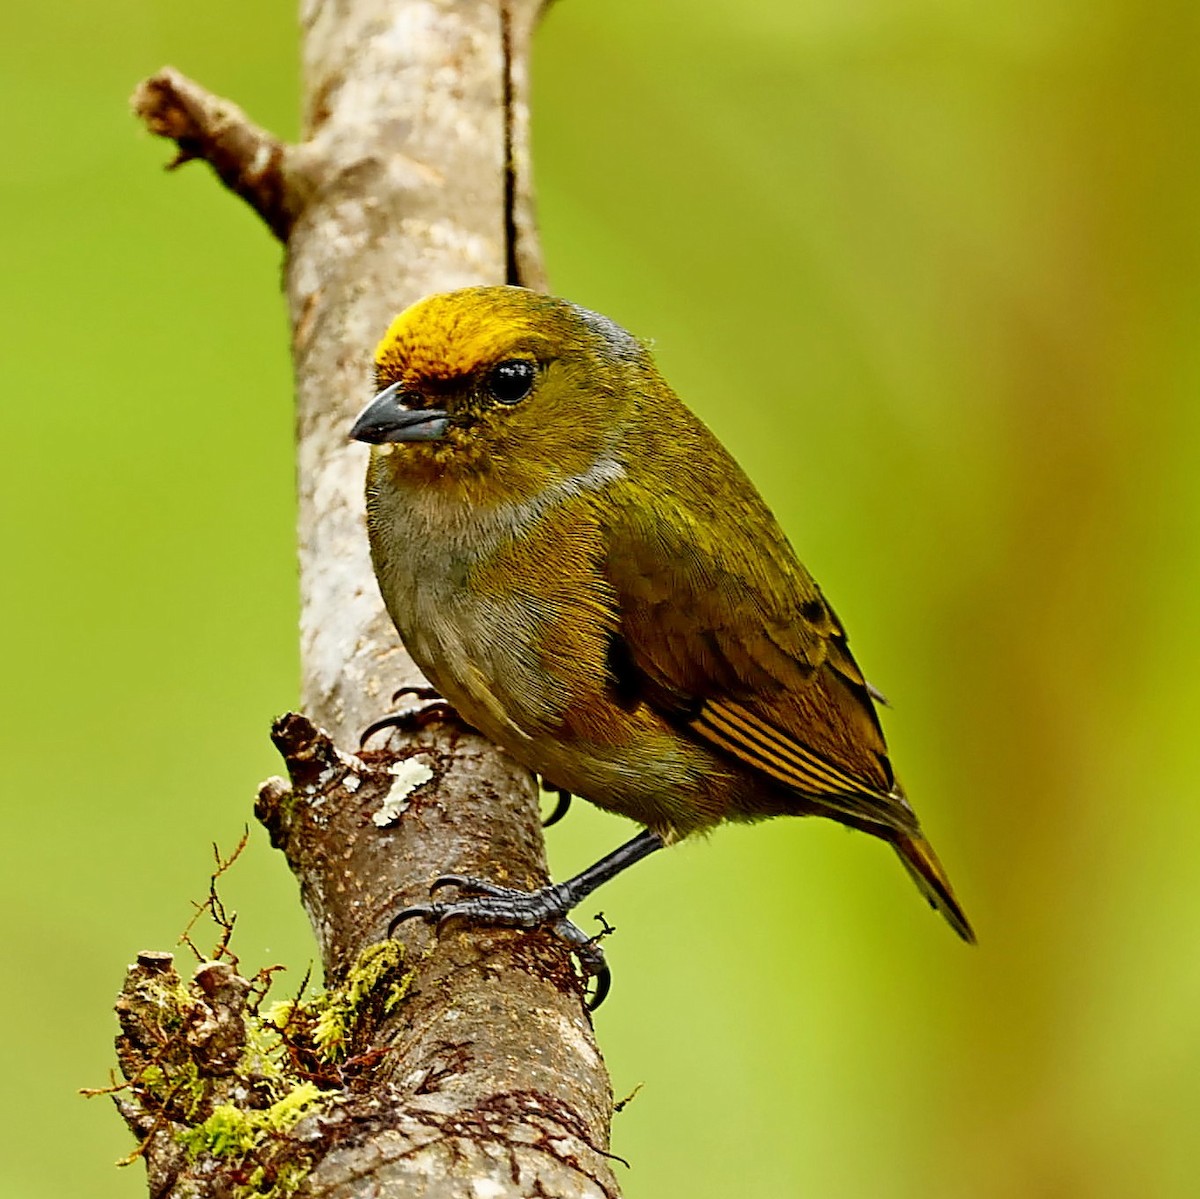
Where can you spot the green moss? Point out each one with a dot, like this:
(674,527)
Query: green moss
(331,1019)
(285,1180)
(343,1007)
(246,1141)
(182,1087)
(297,1058)
(234,1131)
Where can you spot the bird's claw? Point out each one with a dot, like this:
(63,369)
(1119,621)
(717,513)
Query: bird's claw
(419,690)
(490,903)
(438,914)
(470,885)
(432,708)
(423,911)
(561,806)
(590,956)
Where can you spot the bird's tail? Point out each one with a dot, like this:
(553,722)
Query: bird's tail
(921,862)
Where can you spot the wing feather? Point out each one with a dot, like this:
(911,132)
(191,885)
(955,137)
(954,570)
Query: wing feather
(733,639)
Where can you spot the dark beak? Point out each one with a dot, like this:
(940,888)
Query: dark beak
(387,418)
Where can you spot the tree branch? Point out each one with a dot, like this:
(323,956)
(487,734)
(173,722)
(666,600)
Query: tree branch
(469,1067)
(248,160)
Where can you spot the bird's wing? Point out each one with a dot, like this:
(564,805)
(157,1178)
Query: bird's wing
(724,631)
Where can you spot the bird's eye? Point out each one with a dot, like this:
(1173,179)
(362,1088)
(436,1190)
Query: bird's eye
(511,381)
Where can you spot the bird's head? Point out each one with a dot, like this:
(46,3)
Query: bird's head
(500,390)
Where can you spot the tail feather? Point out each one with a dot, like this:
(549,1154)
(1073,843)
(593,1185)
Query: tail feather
(921,862)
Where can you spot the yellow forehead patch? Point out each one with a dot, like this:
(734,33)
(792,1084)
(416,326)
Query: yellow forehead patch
(452,334)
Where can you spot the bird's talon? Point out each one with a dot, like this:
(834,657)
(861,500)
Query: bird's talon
(422,911)
(561,806)
(384,722)
(447,880)
(410,719)
(603,978)
(507,907)
(470,885)
(592,962)
(420,692)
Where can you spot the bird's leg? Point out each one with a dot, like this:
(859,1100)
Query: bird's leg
(528,909)
(489,903)
(561,805)
(433,707)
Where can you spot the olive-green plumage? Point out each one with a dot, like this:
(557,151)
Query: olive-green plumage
(582,569)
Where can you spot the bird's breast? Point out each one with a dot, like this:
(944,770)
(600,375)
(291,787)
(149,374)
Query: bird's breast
(471,596)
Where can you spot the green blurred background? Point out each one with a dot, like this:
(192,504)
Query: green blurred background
(930,268)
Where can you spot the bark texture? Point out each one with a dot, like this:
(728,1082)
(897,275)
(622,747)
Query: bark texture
(478,1074)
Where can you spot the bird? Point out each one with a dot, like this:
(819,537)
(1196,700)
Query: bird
(585,573)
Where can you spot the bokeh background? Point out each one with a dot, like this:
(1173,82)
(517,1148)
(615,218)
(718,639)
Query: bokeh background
(930,268)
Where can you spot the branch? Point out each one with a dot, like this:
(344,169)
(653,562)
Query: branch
(248,160)
(469,1065)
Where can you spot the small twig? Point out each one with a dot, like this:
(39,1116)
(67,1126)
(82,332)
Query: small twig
(215,907)
(251,162)
(606,929)
(260,986)
(113,1089)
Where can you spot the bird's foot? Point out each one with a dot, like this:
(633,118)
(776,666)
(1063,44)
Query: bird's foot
(484,902)
(432,708)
